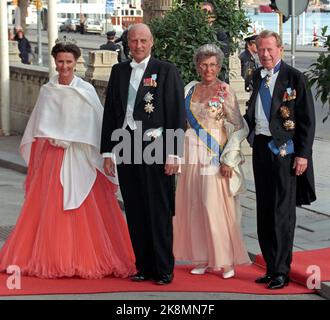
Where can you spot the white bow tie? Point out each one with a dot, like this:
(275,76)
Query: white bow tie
(265,72)
(134,64)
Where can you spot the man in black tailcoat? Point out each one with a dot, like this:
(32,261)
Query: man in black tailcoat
(281,118)
(146,96)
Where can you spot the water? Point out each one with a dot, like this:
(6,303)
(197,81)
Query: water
(306,24)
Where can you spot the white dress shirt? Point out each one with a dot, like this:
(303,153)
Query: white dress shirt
(138,70)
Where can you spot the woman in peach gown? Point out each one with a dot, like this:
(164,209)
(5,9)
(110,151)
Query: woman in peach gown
(207,222)
(70,223)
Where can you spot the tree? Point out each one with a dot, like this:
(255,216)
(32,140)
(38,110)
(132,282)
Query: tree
(23,5)
(319,74)
(184,28)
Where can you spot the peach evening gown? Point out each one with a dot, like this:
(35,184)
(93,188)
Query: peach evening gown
(207,227)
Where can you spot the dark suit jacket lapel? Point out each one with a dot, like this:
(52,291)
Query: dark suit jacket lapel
(124,83)
(151,69)
(253,99)
(279,89)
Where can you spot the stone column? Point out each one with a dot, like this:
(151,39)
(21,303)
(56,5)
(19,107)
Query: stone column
(100,64)
(155,8)
(237,83)
(80,66)
(4,70)
(52,33)
(14,52)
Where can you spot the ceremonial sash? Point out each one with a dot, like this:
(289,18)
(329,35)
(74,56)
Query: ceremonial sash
(266,98)
(211,143)
(265,95)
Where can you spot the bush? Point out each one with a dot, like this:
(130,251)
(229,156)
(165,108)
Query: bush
(184,29)
(178,35)
(319,74)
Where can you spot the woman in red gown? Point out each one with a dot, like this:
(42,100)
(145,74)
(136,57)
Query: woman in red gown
(71,223)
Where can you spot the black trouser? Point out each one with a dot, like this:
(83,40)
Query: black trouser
(148,199)
(275,183)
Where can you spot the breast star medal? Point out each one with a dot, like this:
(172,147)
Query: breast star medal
(289,125)
(282,151)
(285,112)
(149,107)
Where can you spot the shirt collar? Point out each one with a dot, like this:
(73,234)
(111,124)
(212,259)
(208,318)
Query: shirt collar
(265,72)
(143,64)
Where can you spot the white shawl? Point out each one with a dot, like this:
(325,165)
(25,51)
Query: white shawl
(72,114)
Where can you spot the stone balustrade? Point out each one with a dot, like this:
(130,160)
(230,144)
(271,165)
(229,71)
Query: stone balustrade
(25,83)
(14,52)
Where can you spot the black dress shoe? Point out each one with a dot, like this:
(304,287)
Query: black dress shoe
(264,279)
(164,279)
(141,277)
(278,282)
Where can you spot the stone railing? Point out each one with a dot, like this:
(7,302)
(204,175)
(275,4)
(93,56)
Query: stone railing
(25,83)
(26,80)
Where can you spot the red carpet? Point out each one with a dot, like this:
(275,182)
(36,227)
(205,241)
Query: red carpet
(183,282)
(303,260)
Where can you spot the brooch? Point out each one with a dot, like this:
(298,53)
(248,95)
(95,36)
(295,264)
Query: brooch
(289,125)
(267,81)
(289,95)
(150,82)
(285,112)
(283,152)
(216,103)
(149,107)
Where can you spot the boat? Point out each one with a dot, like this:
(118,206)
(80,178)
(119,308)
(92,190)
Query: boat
(122,14)
(325,8)
(265,9)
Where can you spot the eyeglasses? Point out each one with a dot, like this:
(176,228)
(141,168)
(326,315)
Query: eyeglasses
(212,66)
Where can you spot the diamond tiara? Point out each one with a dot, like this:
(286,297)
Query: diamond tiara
(65,40)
